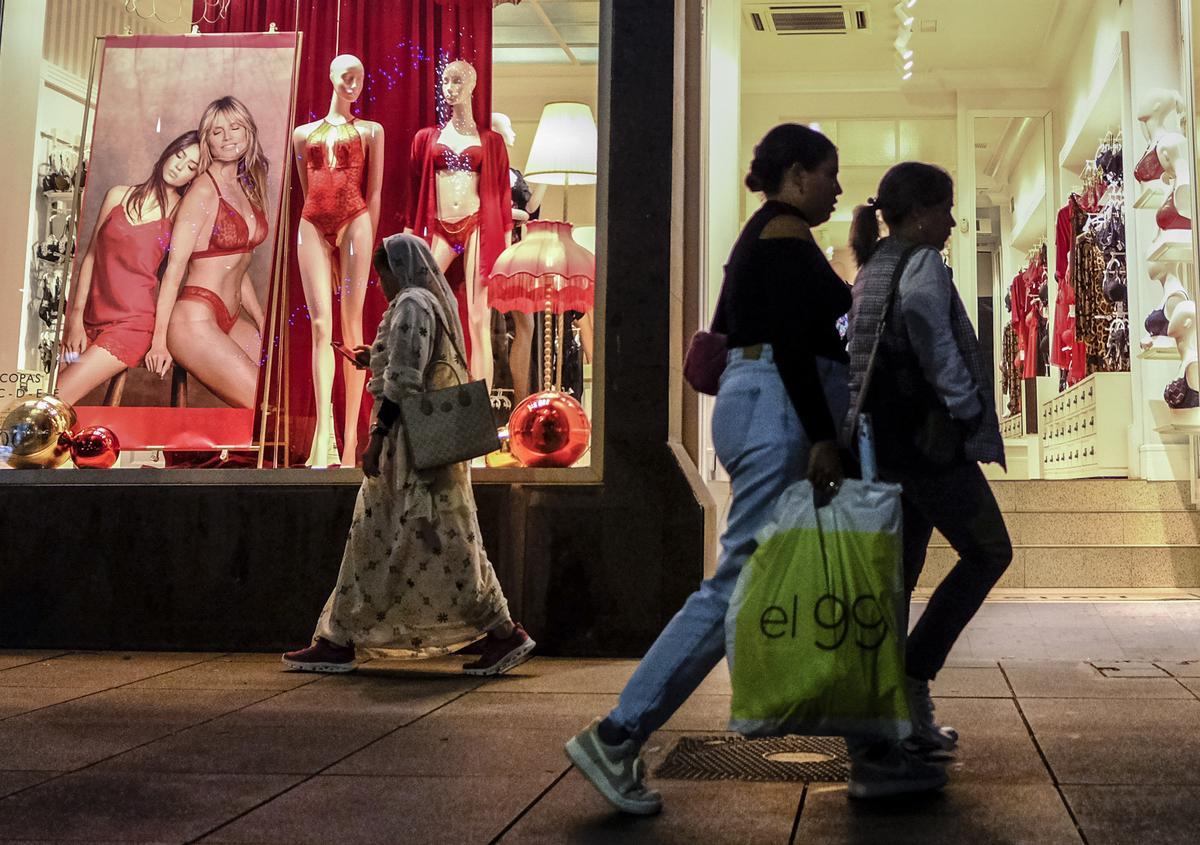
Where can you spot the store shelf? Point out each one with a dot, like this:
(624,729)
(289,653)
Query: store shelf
(1152,195)
(1100,115)
(1031,229)
(1168,420)
(58,196)
(1161,349)
(1172,245)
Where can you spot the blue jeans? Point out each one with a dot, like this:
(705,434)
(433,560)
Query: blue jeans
(762,445)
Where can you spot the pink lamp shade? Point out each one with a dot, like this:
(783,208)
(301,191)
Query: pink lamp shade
(547,262)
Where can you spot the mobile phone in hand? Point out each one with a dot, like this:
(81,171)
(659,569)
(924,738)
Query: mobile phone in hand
(346,353)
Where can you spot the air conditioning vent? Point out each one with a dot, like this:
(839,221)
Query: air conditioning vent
(807,18)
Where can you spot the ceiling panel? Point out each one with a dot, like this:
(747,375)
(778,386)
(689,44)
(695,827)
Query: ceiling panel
(536,31)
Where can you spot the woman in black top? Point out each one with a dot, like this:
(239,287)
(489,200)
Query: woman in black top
(783,389)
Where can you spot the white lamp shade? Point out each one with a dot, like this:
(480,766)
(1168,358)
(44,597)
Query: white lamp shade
(564,146)
(585,236)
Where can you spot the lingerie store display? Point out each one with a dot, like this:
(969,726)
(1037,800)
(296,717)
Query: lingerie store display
(1163,172)
(56,179)
(1027,297)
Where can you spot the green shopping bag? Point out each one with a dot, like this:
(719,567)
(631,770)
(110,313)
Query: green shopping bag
(814,634)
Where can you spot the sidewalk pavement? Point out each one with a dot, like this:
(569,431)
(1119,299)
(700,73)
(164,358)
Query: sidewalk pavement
(166,747)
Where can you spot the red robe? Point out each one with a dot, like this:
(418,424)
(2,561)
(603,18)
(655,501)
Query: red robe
(495,194)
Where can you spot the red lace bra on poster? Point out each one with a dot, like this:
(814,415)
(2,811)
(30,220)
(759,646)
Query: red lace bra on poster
(1149,167)
(445,159)
(230,234)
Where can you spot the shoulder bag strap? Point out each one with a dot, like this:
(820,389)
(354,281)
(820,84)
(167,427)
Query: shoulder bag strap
(879,330)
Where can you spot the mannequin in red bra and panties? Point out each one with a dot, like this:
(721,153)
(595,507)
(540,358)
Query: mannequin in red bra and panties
(460,203)
(220,222)
(339,160)
(1162,117)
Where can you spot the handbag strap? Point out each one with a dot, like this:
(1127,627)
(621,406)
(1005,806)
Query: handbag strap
(879,330)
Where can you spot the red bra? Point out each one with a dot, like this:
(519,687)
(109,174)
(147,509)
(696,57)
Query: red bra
(1168,216)
(230,234)
(444,158)
(1148,167)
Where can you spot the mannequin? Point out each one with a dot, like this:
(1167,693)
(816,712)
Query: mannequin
(526,202)
(1166,273)
(334,243)
(461,203)
(1184,391)
(1163,123)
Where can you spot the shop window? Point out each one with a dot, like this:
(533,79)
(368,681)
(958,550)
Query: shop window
(202,270)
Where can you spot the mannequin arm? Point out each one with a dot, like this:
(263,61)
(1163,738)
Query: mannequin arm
(535,201)
(375,178)
(300,151)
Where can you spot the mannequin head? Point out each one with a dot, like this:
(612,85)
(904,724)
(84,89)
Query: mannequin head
(915,200)
(799,166)
(458,83)
(1161,110)
(346,76)
(502,125)
(228,134)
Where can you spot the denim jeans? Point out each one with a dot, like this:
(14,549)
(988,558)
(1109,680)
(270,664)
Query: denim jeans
(762,445)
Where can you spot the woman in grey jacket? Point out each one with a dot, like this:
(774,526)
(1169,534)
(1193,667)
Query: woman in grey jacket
(929,396)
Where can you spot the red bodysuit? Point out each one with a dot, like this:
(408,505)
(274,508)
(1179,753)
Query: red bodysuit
(230,236)
(119,313)
(334,159)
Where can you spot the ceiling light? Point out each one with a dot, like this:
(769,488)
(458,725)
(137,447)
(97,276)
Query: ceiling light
(910,4)
(902,13)
(904,64)
(907,75)
(902,39)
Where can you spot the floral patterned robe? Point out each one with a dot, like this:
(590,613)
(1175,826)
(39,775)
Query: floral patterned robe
(415,580)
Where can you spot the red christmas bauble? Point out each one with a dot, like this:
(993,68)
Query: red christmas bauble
(95,447)
(549,429)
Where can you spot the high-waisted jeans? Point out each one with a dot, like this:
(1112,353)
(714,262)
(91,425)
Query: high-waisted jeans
(762,445)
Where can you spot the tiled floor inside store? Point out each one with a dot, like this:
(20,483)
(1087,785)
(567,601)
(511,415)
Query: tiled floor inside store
(1080,720)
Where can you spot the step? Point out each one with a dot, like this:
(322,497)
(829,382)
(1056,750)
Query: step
(1099,528)
(1080,566)
(1093,495)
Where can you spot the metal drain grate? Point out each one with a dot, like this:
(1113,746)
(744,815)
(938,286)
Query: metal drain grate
(784,758)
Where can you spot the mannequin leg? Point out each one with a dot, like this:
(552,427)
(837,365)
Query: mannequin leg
(443,253)
(479,314)
(95,366)
(316,274)
(520,354)
(356,265)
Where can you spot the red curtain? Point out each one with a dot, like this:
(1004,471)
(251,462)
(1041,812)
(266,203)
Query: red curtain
(402,44)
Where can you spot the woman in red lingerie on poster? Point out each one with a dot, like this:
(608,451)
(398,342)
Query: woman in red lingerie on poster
(110,320)
(220,223)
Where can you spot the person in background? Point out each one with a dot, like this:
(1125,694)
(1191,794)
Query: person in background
(929,367)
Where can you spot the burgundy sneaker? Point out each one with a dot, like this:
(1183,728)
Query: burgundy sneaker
(321,656)
(499,655)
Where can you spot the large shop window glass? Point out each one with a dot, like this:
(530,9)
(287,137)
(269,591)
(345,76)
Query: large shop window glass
(208,268)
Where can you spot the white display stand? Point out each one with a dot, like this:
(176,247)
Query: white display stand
(1172,245)
(1083,429)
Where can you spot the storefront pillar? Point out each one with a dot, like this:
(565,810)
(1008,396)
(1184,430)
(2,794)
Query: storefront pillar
(20,78)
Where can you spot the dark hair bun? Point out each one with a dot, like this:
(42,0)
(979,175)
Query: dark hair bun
(786,145)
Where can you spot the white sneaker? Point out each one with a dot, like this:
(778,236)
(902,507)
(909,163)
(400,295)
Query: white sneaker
(892,772)
(927,736)
(617,771)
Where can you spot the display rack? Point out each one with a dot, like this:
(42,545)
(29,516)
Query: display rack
(1162,349)
(1074,442)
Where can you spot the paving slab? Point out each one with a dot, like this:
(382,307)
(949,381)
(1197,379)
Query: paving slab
(458,746)
(172,708)
(230,745)
(1083,680)
(701,713)
(748,813)
(1029,814)
(1193,685)
(61,747)
(372,810)
(971,682)
(11,782)
(91,806)
(17,700)
(95,671)
(246,672)
(560,714)
(1115,741)
(994,746)
(1181,668)
(387,703)
(553,674)
(21,657)
(1117,815)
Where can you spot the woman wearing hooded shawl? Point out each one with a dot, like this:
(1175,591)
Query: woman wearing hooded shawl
(415,580)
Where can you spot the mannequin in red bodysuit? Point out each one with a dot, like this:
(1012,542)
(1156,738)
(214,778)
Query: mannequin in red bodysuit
(334,243)
(461,203)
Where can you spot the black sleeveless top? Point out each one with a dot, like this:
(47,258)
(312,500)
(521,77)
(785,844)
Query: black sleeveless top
(782,291)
